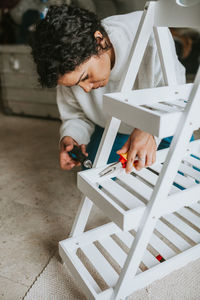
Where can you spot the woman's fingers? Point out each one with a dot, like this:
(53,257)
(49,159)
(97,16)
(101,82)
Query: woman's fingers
(154,157)
(83,149)
(125,148)
(149,159)
(141,149)
(130,160)
(140,160)
(66,162)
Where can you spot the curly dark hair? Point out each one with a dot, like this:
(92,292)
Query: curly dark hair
(63,40)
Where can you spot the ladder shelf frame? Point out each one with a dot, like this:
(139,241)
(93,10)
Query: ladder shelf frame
(148,215)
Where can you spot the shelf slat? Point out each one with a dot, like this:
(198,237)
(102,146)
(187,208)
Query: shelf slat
(101,264)
(121,194)
(183,227)
(172,236)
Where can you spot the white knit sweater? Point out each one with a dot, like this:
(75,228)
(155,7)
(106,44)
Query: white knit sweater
(80,111)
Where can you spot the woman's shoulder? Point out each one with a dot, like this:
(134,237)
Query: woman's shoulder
(125,24)
(130,19)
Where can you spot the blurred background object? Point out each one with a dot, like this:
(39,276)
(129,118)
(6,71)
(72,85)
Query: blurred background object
(187,43)
(187,3)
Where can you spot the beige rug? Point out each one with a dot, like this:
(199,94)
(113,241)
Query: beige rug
(56,283)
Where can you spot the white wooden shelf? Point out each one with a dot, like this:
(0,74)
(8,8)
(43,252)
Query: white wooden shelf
(123,197)
(155,212)
(97,257)
(156,110)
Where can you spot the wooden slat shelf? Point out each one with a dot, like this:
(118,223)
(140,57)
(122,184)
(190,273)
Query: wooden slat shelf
(99,254)
(155,212)
(156,110)
(125,196)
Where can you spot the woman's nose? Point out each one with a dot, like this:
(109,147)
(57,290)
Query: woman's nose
(86,86)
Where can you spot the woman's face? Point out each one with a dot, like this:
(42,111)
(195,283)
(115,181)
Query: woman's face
(92,74)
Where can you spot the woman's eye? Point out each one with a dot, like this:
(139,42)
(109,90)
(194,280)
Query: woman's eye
(85,78)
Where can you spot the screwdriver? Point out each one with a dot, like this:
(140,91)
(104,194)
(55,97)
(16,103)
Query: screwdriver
(78,155)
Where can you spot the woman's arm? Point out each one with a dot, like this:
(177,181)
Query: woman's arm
(76,129)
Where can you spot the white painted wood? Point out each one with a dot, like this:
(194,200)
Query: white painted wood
(105,295)
(161,247)
(101,264)
(192,161)
(127,199)
(165,54)
(181,103)
(191,217)
(92,175)
(158,272)
(108,205)
(146,175)
(172,236)
(183,227)
(179,179)
(151,178)
(180,229)
(194,148)
(124,219)
(114,250)
(187,170)
(176,94)
(164,108)
(127,107)
(161,190)
(196,207)
(148,259)
(139,46)
(151,121)
(179,199)
(107,141)
(102,156)
(90,236)
(80,273)
(136,186)
(183,181)
(132,218)
(81,216)
(122,195)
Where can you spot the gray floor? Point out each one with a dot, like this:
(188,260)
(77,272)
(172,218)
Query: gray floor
(38,201)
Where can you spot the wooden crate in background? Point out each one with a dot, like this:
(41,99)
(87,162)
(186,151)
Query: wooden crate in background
(21,93)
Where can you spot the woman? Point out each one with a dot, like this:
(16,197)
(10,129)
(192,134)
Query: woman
(85,58)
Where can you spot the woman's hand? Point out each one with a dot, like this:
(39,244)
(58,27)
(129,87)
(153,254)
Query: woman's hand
(142,145)
(66,145)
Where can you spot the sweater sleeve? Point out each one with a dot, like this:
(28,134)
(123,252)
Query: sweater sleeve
(74,121)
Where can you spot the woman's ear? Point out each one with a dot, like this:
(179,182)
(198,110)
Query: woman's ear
(101,40)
